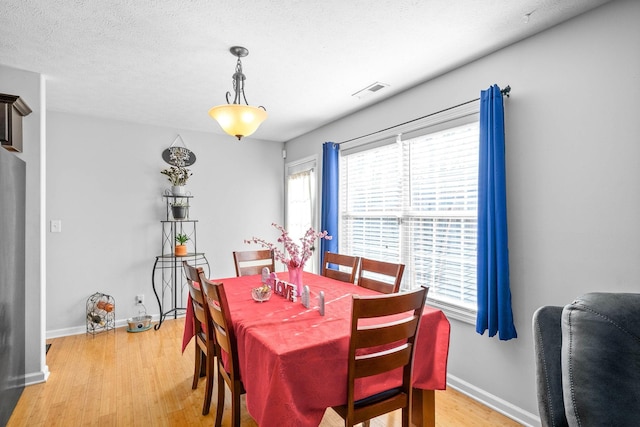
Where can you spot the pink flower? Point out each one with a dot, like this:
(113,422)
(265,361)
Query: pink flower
(294,255)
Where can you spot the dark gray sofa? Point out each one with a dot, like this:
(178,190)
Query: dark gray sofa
(588,361)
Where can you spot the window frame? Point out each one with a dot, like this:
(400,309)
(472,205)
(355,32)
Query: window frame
(450,118)
(306,164)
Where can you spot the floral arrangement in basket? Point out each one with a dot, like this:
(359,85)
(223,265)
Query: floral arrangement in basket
(295,255)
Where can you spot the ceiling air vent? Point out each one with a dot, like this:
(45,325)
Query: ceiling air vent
(370,90)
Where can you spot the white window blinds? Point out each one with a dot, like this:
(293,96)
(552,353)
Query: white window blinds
(415,201)
(371,203)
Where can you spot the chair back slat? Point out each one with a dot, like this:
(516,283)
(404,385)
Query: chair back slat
(342,276)
(347,267)
(384,334)
(382,362)
(249,263)
(222,338)
(219,311)
(201,316)
(380,276)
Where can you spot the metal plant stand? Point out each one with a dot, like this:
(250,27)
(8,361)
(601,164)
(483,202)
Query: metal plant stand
(167,277)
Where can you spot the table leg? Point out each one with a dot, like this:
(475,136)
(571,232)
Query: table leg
(423,413)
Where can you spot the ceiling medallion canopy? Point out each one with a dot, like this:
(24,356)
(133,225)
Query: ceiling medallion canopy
(235,118)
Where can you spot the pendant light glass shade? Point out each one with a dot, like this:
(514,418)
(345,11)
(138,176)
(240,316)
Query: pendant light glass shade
(238,120)
(235,118)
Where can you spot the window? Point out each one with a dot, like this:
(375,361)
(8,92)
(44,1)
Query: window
(414,200)
(301,201)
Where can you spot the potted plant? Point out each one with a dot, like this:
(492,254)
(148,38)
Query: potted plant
(181,248)
(178,177)
(180,210)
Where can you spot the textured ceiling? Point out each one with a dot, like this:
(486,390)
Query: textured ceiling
(166,62)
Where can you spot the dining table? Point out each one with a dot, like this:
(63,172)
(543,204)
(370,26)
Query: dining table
(293,359)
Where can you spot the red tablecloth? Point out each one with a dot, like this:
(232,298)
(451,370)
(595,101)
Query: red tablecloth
(293,362)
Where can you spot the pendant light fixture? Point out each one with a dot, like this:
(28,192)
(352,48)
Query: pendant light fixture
(235,118)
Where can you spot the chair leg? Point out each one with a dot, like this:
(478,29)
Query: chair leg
(209,388)
(366,423)
(405,416)
(196,367)
(235,405)
(220,407)
(203,365)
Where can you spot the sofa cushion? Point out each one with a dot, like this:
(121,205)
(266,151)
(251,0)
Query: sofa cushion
(601,360)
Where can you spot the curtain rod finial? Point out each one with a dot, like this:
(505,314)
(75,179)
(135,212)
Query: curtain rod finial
(506,91)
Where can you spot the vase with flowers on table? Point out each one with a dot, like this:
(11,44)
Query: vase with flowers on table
(295,255)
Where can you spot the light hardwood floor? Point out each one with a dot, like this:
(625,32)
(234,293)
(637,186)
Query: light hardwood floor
(143,379)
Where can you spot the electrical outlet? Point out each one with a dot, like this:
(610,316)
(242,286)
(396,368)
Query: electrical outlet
(139,299)
(56,226)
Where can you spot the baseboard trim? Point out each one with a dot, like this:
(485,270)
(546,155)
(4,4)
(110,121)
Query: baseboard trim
(77,330)
(37,377)
(497,404)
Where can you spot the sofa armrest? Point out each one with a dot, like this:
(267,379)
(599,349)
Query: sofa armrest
(547,333)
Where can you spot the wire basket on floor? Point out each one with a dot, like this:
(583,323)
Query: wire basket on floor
(101,313)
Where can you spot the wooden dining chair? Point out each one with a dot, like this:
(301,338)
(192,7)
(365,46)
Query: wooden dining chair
(379,346)
(203,327)
(225,342)
(380,276)
(340,262)
(249,263)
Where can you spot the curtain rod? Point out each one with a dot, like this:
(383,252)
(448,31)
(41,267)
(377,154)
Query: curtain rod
(504,92)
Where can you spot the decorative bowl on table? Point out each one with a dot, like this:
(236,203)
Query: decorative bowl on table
(263,293)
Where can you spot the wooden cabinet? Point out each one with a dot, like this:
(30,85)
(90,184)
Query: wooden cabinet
(12,110)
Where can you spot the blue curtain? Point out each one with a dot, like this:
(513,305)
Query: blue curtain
(494,295)
(329,216)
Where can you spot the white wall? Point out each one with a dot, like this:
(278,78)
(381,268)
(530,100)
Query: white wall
(104,184)
(573,175)
(30,87)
